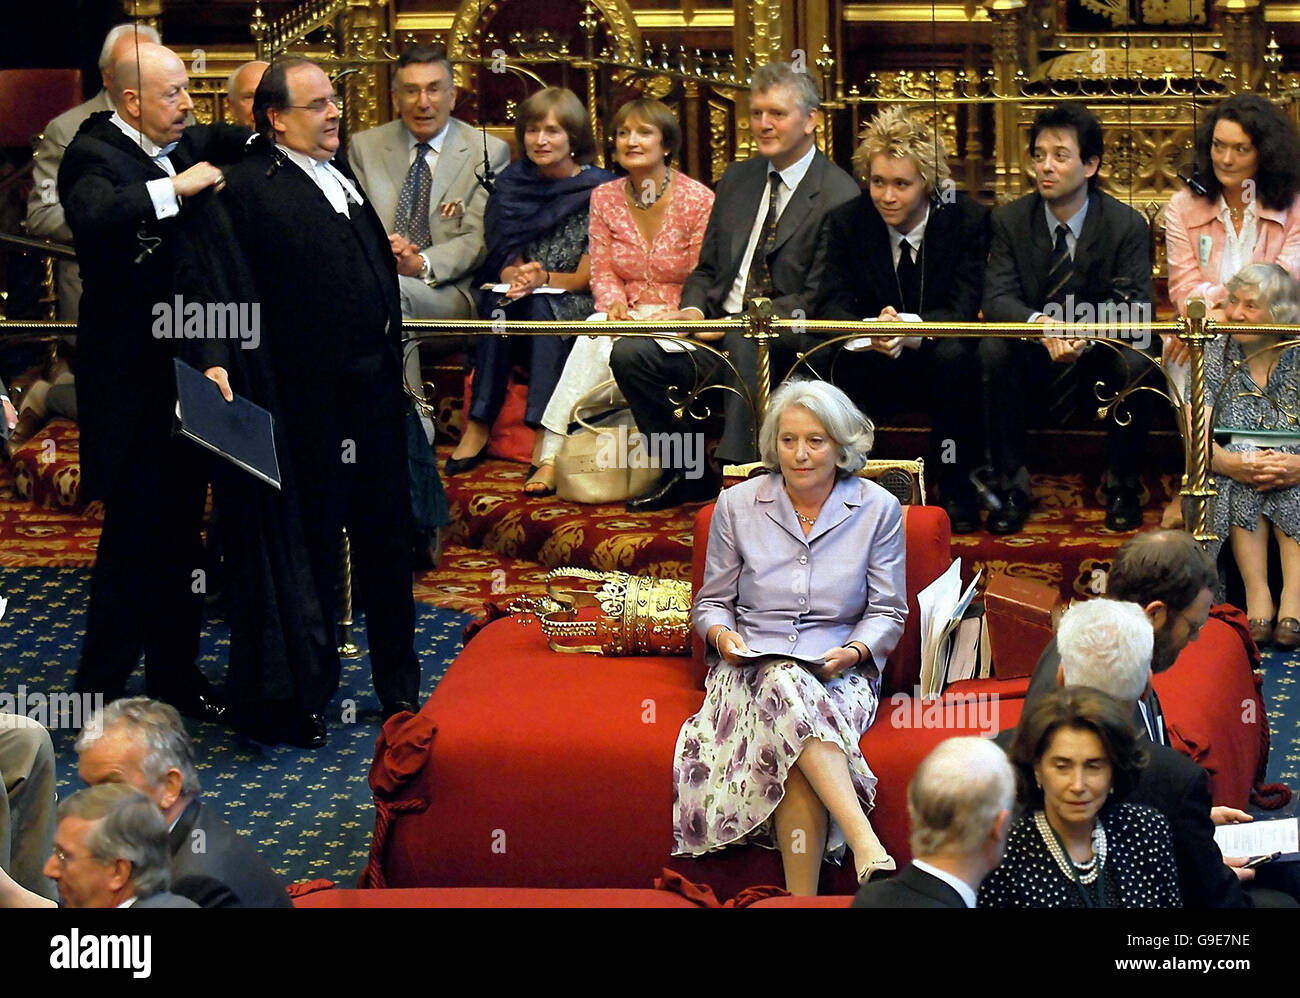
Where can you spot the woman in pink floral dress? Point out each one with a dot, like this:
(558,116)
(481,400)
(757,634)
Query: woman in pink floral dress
(806,561)
(645,234)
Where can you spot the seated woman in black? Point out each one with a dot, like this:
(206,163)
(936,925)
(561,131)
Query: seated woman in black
(1075,752)
(535,224)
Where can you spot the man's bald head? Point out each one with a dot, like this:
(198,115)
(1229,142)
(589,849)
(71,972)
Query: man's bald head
(118,44)
(240,89)
(153,93)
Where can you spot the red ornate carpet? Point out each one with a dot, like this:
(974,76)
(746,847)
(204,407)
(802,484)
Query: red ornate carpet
(502,543)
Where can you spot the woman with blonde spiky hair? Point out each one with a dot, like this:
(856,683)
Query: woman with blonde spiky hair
(911,248)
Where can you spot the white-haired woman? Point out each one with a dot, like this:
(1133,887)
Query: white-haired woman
(1259,489)
(806,561)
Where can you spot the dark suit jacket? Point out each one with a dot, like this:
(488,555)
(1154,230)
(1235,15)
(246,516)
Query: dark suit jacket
(735,207)
(1112,261)
(126,388)
(911,888)
(216,868)
(164,899)
(855,263)
(1043,681)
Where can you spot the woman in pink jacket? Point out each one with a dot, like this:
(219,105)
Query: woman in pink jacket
(1248,161)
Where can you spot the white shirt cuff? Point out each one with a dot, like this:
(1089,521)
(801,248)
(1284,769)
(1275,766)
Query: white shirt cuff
(163,196)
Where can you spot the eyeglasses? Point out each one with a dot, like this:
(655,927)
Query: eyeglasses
(317,106)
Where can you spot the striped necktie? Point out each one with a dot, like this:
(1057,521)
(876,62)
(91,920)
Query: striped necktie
(1060,270)
(758,283)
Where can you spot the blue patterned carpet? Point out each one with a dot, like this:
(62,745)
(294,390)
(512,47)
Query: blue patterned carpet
(310,813)
(1281,672)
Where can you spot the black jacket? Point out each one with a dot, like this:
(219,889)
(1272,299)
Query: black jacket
(215,867)
(912,888)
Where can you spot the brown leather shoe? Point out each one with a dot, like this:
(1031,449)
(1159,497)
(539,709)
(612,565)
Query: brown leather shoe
(1261,631)
(1287,633)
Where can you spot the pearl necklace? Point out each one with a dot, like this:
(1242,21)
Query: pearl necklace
(1085,873)
(810,520)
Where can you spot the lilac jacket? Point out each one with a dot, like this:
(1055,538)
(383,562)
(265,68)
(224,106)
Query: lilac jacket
(785,592)
(1188,218)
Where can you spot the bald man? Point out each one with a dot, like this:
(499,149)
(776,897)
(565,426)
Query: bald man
(240,88)
(45,217)
(125,180)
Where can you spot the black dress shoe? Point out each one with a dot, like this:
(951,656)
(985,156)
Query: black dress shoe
(305,731)
(673,489)
(206,707)
(1011,517)
(963,511)
(460,465)
(1123,510)
(397,706)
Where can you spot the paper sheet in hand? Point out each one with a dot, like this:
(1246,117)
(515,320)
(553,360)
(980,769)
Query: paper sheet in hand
(501,289)
(1258,837)
(752,657)
(864,342)
(239,431)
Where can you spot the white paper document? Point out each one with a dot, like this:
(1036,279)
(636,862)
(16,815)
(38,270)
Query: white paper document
(942,604)
(501,289)
(864,342)
(762,657)
(1259,837)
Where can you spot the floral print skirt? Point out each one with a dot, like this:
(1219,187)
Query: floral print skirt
(733,757)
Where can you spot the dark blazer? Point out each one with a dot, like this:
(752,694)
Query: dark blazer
(1112,261)
(911,888)
(1043,681)
(344,302)
(735,207)
(164,899)
(215,867)
(125,384)
(855,264)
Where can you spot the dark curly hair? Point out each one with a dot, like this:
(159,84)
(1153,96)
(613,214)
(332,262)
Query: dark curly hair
(1084,708)
(1274,135)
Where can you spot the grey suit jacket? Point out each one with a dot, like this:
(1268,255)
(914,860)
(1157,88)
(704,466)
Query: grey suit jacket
(45,219)
(381,156)
(845,581)
(735,208)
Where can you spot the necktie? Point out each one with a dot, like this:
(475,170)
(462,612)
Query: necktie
(909,279)
(1060,270)
(413,202)
(758,284)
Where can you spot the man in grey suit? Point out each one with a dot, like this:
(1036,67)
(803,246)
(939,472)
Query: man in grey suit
(144,743)
(760,242)
(960,803)
(422,175)
(44,211)
(110,851)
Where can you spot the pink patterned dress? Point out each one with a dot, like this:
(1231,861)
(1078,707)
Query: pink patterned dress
(648,278)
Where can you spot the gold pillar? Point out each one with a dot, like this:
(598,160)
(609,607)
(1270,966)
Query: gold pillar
(145,12)
(1008,56)
(694,165)
(363,23)
(1243,27)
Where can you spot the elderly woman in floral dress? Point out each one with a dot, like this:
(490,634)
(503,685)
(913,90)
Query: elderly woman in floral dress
(806,561)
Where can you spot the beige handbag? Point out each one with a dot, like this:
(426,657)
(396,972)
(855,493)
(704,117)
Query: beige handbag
(595,463)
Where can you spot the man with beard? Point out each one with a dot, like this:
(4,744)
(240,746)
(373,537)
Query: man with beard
(123,184)
(1171,577)
(313,254)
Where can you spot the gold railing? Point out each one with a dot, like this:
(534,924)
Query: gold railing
(761,325)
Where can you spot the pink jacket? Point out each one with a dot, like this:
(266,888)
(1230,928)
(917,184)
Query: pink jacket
(1188,218)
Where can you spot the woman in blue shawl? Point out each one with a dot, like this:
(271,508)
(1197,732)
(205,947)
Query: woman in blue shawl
(536,230)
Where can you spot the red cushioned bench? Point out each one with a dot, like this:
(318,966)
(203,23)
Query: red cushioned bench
(531,768)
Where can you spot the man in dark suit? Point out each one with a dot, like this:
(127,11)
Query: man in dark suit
(960,803)
(1172,578)
(760,242)
(123,183)
(1107,645)
(910,248)
(1065,253)
(144,743)
(324,275)
(110,851)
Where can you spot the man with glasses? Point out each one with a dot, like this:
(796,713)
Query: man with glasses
(110,851)
(308,247)
(1172,578)
(126,179)
(421,173)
